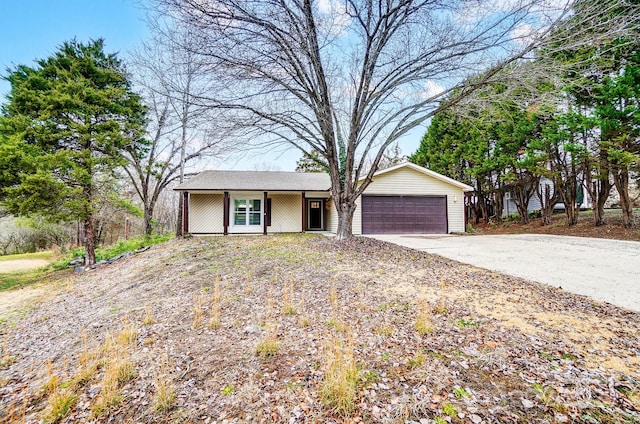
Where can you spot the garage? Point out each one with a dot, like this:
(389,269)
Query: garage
(404,214)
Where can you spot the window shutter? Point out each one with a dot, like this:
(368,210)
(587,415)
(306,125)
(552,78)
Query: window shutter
(268,212)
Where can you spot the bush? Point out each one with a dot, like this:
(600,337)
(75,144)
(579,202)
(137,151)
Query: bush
(535,214)
(108,252)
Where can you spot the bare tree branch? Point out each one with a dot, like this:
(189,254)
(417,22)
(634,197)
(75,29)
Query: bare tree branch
(347,80)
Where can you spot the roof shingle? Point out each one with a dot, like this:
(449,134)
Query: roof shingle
(257,181)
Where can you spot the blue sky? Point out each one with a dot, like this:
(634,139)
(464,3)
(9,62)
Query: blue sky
(33,29)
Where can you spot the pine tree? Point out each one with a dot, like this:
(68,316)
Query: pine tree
(66,123)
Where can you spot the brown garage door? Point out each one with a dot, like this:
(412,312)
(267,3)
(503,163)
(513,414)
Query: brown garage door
(404,215)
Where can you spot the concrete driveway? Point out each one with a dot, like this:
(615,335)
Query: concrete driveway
(607,270)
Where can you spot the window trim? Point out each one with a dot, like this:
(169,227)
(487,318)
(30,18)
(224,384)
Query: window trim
(247,227)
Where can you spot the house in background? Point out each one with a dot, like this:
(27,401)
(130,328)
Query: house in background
(403,199)
(584,200)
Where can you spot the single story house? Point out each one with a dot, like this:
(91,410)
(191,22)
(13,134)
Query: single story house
(403,199)
(583,199)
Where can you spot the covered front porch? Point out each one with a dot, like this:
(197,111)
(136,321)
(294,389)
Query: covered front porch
(252,212)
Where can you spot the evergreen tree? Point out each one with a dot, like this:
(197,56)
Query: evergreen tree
(311,162)
(617,109)
(65,125)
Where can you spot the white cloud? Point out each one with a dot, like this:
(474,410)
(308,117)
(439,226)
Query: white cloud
(432,89)
(324,6)
(523,33)
(335,19)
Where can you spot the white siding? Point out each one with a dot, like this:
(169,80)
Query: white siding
(286,213)
(205,213)
(356,227)
(411,182)
(332,216)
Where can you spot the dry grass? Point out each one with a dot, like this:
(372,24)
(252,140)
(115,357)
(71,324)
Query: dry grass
(166,393)
(339,387)
(59,404)
(118,369)
(417,360)
(441,307)
(15,414)
(215,317)
(270,345)
(583,333)
(5,358)
(333,297)
(148,318)
(351,354)
(128,335)
(287,299)
(89,363)
(52,382)
(424,324)
(199,301)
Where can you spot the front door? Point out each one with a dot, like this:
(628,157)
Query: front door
(315,208)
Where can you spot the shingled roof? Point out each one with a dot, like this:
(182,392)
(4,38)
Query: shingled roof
(257,181)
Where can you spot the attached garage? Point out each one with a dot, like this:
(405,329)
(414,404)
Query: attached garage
(408,199)
(404,214)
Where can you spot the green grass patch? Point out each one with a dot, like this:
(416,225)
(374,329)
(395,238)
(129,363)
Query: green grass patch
(20,279)
(122,246)
(47,256)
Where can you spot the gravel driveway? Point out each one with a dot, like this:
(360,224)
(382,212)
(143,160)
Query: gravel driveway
(606,270)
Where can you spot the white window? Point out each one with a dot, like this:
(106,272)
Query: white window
(247,212)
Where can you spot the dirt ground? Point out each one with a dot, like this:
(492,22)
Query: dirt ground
(258,329)
(22,265)
(612,229)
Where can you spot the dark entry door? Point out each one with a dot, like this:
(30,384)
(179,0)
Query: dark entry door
(315,208)
(404,215)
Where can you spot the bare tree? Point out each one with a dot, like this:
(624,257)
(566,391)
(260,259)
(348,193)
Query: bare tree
(349,79)
(179,130)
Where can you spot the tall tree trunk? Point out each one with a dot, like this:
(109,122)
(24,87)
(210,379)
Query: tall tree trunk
(521,195)
(89,241)
(599,193)
(600,188)
(547,202)
(523,210)
(481,206)
(473,207)
(183,151)
(148,217)
(570,207)
(568,194)
(572,215)
(345,211)
(621,181)
(498,204)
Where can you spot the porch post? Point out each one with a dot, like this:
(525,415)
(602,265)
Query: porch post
(185,213)
(304,212)
(225,214)
(264,215)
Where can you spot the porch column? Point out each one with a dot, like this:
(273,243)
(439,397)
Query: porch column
(185,213)
(264,215)
(225,214)
(304,212)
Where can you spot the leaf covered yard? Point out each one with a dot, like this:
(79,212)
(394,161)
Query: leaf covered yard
(302,328)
